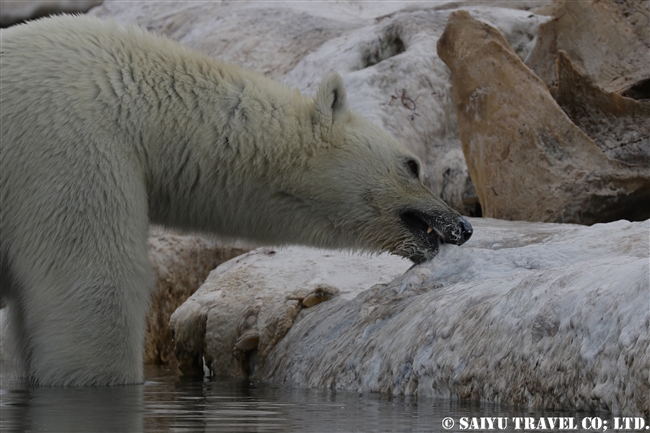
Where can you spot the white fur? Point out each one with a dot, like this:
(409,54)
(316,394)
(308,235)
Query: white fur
(105,129)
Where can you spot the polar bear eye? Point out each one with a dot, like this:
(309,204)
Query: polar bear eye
(414,168)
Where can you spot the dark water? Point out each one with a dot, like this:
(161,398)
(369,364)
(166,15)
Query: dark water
(167,402)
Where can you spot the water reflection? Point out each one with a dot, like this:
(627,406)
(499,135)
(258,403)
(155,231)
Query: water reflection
(107,409)
(240,406)
(167,402)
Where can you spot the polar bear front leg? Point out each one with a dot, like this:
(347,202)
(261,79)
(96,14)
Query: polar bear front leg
(83,281)
(93,336)
(83,323)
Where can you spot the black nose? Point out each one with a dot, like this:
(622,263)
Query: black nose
(465,230)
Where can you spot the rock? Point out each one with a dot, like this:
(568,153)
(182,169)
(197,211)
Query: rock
(181,264)
(529,314)
(620,126)
(609,39)
(383,50)
(13,12)
(247,305)
(527,160)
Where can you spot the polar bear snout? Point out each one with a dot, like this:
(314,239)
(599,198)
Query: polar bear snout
(438,227)
(457,232)
(465,231)
(432,229)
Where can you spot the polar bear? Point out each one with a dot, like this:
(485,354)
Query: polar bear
(106,129)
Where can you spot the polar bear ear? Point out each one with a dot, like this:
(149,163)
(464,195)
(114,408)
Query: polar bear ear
(332,99)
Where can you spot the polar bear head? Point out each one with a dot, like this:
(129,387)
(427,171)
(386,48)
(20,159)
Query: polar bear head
(364,189)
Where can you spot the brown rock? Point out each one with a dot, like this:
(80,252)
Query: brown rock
(180,264)
(620,126)
(527,160)
(609,39)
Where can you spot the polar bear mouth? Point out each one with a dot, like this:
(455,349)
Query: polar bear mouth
(422,228)
(417,223)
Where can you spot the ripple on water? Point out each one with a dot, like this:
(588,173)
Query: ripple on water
(169,403)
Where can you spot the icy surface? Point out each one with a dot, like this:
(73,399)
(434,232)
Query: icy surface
(528,314)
